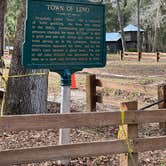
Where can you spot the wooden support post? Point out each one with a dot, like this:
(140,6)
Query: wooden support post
(131,133)
(91,97)
(139,56)
(121,55)
(157,56)
(91,92)
(162,95)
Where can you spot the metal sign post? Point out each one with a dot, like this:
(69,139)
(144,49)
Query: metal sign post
(64,134)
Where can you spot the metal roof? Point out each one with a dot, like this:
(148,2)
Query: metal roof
(112,36)
(133,28)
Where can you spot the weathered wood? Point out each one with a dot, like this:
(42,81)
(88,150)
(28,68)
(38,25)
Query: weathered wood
(99,83)
(47,121)
(62,152)
(139,56)
(91,93)
(143,53)
(162,95)
(149,144)
(131,132)
(121,55)
(146,55)
(76,150)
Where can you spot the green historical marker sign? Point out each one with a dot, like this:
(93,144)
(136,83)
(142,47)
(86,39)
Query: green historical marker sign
(64,35)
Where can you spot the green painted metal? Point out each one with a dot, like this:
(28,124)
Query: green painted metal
(65,77)
(64,35)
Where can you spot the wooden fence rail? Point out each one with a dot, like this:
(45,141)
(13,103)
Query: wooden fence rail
(157,56)
(36,122)
(92,82)
(130,87)
(29,155)
(74,120)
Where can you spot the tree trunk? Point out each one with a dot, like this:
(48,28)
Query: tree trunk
(3,5)
(157,25)
(27,94)
(121,26)
(138,25)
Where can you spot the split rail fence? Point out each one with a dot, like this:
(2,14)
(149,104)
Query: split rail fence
(93,97)
(74,120)
(143,55)
(132,119)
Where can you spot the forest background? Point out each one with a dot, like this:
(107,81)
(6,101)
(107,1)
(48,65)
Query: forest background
(152,19)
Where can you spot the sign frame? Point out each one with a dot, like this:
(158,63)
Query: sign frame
(26,59)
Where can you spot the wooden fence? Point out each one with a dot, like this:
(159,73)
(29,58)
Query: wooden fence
(143,55)
(132,118)
(74,120)
(93,97)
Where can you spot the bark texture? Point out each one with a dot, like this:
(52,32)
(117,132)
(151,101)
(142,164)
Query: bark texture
(120,19)
(157,26)
(138,25)
(28,94)
(3,4)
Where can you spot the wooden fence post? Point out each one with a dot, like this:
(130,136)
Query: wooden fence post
(131,132)
(91,92)
(121,55)
(162,95)
(157,56)
(139,56)
(91,96)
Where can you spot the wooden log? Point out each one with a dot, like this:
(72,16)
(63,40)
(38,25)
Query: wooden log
(162,95)
(149,144)
(99,83)
(29,155)
(91,93)
(131,132)
(74,120)
(61,152)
